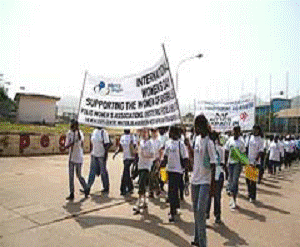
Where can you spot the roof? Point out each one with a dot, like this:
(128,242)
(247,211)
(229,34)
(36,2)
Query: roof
(289,113)
(18,95)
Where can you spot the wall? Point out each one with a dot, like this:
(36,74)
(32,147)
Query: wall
(30,144)
(35,109)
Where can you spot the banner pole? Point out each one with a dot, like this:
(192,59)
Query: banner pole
(165,54)
(81,95)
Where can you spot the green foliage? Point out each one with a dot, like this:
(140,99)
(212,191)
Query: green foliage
(58,128)
(3,95)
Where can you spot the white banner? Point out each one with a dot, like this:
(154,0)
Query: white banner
(223,116)
(144,100)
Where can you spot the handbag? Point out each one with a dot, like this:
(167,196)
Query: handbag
(251,173)
(163,174)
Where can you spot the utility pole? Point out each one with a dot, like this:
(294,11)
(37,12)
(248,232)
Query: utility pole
(270,110)
(287,85)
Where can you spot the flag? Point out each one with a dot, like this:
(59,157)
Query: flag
(239,157)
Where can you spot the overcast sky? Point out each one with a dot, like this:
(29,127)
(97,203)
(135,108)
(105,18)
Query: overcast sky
(46,46)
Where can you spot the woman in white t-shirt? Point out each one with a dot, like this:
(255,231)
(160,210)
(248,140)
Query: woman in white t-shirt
(146,156)
(175,157)
(234,167)
(219,177)
(203,177)
(128,144)
(276,155)
(74,142)
(255,153)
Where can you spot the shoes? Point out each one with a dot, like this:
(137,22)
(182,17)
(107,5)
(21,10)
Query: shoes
(151,194)
(171,218)
(218,221)
(232,204)
(251,200)
(123,194)
(70,197)
(86,192)
(194,243)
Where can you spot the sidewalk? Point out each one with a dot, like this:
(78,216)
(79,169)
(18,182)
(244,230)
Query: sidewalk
(34,212)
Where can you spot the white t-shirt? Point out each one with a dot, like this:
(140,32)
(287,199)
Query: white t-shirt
(256,145)
(125,141)
(163,139)
(219,169)
(267,143)
(275,151)
(146,148)
(172,151)
(289,146)
(99,137)
(201,174)
(231,143)
(157,146)
(281,145)
(76,152)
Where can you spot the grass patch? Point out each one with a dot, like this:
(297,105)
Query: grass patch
(58,128)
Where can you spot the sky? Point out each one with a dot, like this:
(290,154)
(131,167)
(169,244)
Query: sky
(46,46)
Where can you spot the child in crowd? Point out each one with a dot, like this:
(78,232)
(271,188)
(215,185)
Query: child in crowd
(146,156)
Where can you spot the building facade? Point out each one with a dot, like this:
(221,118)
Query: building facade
(36,108)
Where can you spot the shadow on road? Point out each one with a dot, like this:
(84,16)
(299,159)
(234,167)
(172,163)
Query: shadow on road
(149,223)
(252,215)
(233,238)
(101,198)
(269,207)
(186,205)
(267,192)
(74,208)
(270,185)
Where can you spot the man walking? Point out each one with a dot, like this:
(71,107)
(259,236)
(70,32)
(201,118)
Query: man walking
(100,143)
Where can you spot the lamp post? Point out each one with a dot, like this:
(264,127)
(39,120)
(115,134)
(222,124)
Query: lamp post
(270,110)
(181,62)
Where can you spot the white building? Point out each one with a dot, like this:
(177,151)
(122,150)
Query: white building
(36,108)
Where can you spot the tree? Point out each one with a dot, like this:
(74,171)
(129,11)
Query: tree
(7,105)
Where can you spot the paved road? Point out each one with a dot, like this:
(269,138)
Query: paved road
(33,211)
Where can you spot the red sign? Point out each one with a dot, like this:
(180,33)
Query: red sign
(45,141)
(24,141)
(62,141)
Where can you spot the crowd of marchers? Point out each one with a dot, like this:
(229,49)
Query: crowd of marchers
(164,161)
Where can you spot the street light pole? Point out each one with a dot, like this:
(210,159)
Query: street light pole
(270,110)
(181,62)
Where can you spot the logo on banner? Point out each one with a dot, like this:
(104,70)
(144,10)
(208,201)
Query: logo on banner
(244,116)
(111,89)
